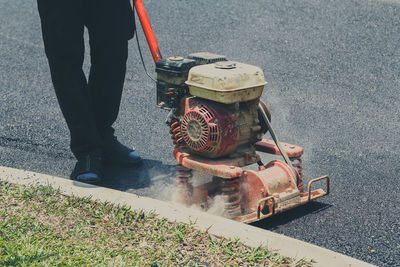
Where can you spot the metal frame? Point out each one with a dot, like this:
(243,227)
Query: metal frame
(326,177)
(272,210)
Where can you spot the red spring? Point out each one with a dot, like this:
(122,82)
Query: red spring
(296,162)
(176,134)
(183,176)
(231,195)
(184,187)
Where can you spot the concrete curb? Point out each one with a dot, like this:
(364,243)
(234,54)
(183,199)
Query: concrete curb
(249,235)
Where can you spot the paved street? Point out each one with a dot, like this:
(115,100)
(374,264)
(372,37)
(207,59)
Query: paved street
(333,72)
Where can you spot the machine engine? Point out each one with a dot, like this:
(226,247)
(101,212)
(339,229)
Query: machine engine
(218,109)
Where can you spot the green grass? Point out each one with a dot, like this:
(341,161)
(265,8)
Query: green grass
(41,227)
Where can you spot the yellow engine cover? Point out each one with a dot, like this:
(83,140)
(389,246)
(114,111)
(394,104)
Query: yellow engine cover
(226,82)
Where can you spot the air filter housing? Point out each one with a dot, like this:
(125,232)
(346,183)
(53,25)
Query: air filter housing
(226,82)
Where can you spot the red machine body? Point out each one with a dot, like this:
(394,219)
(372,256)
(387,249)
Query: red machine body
(248,195)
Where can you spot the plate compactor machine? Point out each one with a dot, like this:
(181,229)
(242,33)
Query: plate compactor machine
(217,123)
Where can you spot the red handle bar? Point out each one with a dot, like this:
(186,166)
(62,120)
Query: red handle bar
(148,31)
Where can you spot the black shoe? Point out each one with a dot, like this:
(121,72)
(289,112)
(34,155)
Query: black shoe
(117,154)
(88,169)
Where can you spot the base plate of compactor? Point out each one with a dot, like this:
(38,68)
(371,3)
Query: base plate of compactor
(248,196)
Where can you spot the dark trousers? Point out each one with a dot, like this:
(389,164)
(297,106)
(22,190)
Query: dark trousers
(90,106)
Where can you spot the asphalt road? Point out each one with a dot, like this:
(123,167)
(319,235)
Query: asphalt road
(333,69)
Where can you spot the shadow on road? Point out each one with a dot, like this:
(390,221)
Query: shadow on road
(294,214)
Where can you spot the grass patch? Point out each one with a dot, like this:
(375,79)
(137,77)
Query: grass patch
(39,226)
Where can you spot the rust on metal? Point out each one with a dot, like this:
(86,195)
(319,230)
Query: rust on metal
(312,194)
(268,146)
(248,195)
(225,168)
(273,208)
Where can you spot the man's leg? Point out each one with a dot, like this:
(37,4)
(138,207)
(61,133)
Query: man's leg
(62,28)
(110,26)
(106,81)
